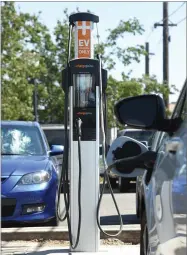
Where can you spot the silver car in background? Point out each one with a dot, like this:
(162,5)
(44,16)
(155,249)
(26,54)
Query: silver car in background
(143,136)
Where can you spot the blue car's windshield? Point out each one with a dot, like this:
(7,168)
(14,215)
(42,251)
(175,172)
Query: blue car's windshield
(21,140)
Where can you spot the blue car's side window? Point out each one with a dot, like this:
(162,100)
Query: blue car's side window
(46,142)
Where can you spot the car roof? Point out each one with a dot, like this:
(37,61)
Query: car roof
(20,123)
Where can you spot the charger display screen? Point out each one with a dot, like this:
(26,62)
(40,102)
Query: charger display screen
(84,90)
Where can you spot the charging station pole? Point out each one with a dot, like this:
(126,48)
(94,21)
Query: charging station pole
(84,76)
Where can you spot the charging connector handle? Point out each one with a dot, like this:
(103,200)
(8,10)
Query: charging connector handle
(79,124)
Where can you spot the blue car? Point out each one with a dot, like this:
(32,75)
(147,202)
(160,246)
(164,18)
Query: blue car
(29,174)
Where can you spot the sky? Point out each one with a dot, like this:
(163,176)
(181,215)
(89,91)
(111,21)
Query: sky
(110,14)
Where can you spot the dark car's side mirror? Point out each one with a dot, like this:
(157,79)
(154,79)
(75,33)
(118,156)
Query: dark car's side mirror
(146,111)
(56,150)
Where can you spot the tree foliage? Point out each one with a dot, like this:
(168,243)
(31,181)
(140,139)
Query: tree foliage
(18,64)
(110,50)
(32,55)
(117,90)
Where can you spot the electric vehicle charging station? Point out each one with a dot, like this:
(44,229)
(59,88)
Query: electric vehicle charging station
(83,83)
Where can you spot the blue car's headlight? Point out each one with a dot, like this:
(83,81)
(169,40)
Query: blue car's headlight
(35,178)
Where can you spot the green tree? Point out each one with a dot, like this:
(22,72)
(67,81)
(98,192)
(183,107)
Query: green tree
(117,90)
(110,50)
(30,55)
(18,65)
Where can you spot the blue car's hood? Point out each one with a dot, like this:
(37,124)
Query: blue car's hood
(20,165)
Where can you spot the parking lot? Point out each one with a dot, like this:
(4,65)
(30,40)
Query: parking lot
(93,93)
(126,203)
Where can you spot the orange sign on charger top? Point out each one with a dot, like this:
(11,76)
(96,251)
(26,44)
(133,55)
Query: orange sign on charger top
(84,39)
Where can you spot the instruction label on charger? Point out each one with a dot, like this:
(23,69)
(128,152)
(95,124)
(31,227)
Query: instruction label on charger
(84,39)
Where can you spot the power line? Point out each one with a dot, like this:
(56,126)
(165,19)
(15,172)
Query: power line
(156,45)
(160,40)
(181,20)
(152,29)
(176,10)
(166,40)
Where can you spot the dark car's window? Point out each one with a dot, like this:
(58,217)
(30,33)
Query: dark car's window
(179,111)
(184,111)
(21,140)
(55,136)
(141,135)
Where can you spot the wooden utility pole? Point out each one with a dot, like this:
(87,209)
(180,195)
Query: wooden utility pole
(165,49)
(165,26)
(147,58)
(35,99)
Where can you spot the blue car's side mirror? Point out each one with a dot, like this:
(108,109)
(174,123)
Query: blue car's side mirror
(56,150)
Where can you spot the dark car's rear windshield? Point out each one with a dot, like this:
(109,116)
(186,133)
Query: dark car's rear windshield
(21,140)
(55,136)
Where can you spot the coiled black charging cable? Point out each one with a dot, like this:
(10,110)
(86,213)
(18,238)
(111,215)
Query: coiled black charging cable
(65,166)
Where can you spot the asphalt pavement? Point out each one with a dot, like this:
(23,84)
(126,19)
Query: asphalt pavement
(126,203)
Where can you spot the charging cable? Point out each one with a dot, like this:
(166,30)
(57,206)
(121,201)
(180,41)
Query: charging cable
(64,172)
(65,167)
(106,176)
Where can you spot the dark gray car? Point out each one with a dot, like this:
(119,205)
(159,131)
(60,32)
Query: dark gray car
(163,208)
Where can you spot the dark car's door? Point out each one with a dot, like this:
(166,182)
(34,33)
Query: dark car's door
(142,183)
(169,188)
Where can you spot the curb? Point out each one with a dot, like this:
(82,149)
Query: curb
(130,233)
(13,248)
